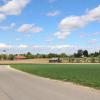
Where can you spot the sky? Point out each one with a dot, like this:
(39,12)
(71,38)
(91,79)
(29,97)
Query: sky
(49,26)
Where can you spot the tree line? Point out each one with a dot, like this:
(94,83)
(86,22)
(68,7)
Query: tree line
(85,53)
(79,54)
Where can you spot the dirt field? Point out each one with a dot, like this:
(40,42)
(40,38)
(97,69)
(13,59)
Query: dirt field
(36,61)
(31,61)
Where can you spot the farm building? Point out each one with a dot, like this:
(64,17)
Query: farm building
(20,58)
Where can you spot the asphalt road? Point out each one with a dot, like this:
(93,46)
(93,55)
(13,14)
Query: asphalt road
(16,85)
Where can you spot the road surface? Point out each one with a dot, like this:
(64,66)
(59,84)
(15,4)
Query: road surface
(16,85)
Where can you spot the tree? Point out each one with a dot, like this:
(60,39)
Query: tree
(29,55)
(63,55)
(0,57)
(96,54)
(52,55)
(75,54)
(79,53)
(4,56)
(85,53)
(11,57)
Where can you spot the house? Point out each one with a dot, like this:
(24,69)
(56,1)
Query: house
(55,60)
(20,57)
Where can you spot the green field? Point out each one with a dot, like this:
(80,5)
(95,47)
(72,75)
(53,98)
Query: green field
(84,74)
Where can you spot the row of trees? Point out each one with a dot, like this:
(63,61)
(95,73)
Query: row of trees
(85,53)
(7,57)
(50,55)
(79,54)
(31,56)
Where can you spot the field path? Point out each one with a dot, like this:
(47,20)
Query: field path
(16,85)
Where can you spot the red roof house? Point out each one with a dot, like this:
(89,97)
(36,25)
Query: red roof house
(20,57)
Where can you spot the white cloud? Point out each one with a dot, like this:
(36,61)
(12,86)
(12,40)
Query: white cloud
(36,29)
(45,49)
(5,28)
(12,7)
(53,13)
(53,46)
(4,46)
(61,46)
(7,46)
(63,36)
(27,28)
(22,46)
(2,17)
(71,23)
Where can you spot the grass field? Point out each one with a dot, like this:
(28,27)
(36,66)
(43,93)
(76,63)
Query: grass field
(84,74)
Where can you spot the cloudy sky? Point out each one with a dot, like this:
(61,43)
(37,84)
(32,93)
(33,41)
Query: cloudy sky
(43,26)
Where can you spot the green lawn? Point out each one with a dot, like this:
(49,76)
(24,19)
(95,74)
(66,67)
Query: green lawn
(85,74)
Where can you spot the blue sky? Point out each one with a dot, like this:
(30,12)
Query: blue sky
(50,25)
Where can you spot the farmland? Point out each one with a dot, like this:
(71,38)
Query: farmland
(84,74)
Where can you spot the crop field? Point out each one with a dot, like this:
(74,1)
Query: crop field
(84,74)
